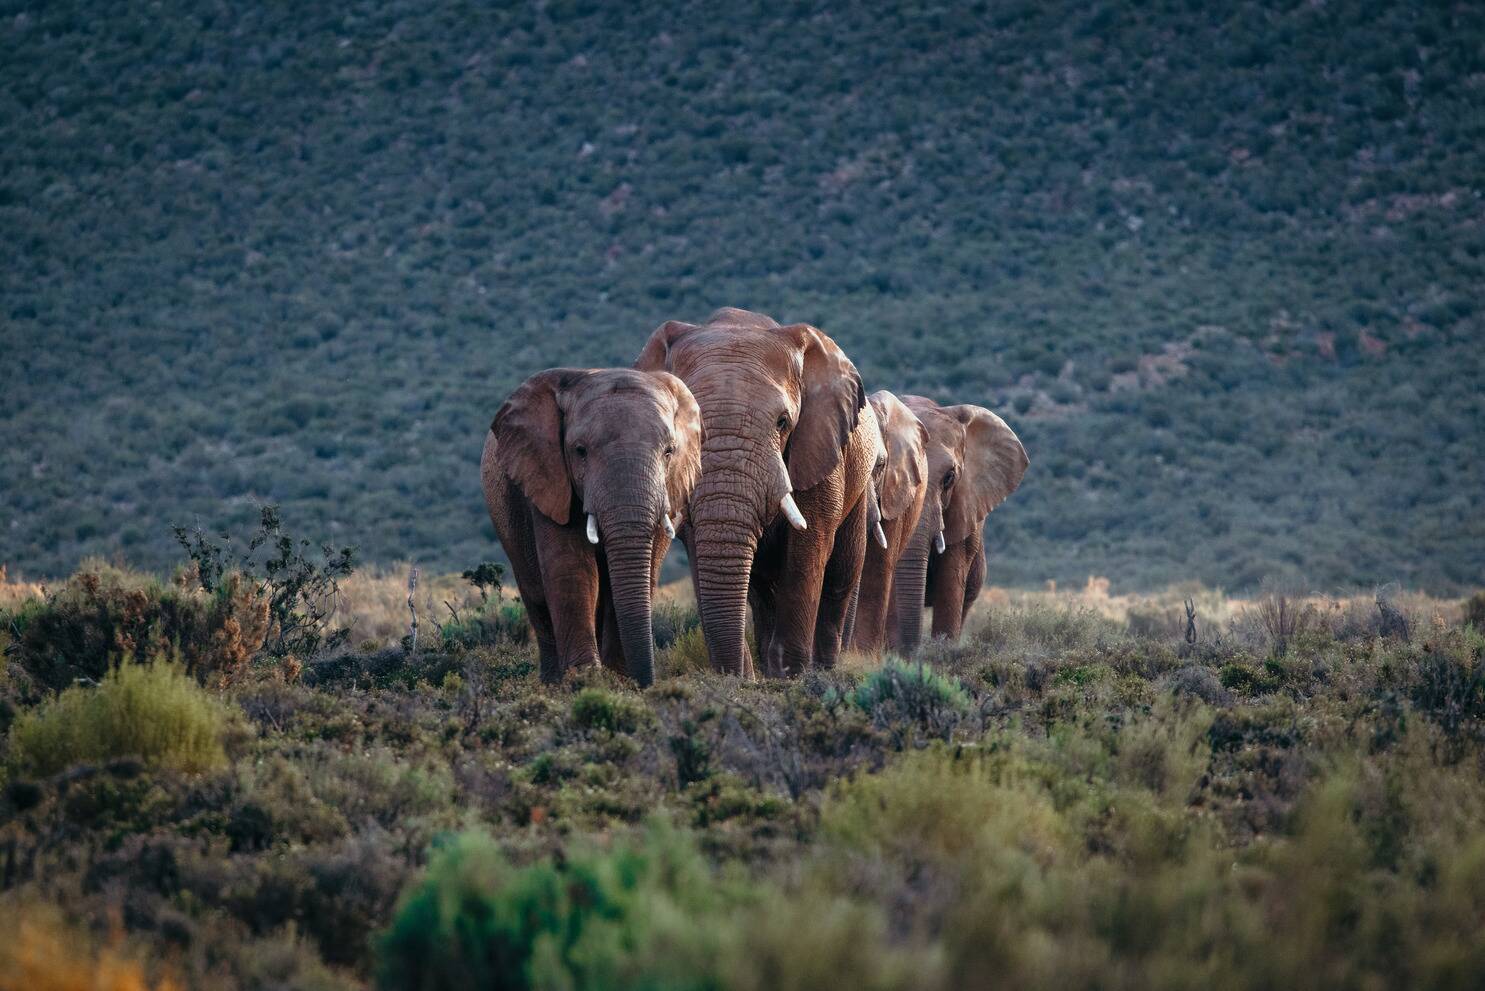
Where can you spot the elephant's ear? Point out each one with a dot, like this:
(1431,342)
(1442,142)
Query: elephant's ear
(685,464)
(656,354)
(906,440)
(831,399)
(528,438)
(994,463)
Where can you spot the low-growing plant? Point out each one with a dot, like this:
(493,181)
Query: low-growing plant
(643,914)
(597,708)
(671,621)
(1474,611)
(103,613)
(914,691)
(302,593)
(686,654)
(155,712)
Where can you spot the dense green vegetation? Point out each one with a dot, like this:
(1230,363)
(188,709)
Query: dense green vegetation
(1060,801)
(1218,264)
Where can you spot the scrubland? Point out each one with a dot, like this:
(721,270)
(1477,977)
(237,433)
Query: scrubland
(1082,793)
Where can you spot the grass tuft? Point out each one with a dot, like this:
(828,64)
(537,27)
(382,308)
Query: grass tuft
(155,712)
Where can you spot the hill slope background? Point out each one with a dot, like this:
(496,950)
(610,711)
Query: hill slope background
(1220,269)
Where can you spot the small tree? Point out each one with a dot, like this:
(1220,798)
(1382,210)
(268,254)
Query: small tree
(302,592)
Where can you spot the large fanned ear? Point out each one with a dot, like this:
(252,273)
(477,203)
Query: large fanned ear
(994,463)
(656,354)
(685,464)
(831,398)
(528,437)
(906,441)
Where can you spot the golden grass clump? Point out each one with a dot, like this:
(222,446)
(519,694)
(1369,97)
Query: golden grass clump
(155,712)
(42,954)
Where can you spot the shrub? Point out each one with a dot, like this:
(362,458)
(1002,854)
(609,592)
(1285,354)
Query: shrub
(912,690)
(643,914)
(672,621)
(103,613)
(1474,611)
(685,655)
(601,709)
(1282,615)
(1046,627)
(302,594)
(151,711)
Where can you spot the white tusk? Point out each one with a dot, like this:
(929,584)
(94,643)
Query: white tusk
(881,537)
(592,529)
(796,518)
(669,526)
(938,542)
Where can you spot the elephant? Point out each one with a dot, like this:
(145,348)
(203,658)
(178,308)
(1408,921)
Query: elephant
(778,520)
(975,461)
(582,471)
(901,490)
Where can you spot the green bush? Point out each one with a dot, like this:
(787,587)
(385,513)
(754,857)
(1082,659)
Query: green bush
(646,914)
(1474,611)
(601,709)
(155,712)
(685,655)
(913,689)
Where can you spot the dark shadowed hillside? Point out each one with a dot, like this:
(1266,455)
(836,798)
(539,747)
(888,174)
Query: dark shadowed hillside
(1219,265)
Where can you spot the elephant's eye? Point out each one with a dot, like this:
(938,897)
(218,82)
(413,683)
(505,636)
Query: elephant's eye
(581,450)
(948,478)
(783,423)
(669,450)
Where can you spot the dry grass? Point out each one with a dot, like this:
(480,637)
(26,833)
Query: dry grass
(42,953)
(14,591)
(1163,614)
(374,603)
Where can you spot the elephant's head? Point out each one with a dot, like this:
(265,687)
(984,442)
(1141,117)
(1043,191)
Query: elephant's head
(778,405)
(903,466)
(618,450)
(975,461)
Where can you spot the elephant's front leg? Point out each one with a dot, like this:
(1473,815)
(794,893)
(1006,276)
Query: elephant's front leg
(802,578)
(946,592)
(610,650)
(974,578)
(842,581)
(570,582)
(761,605)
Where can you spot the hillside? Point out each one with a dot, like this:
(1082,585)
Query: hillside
(1219,268)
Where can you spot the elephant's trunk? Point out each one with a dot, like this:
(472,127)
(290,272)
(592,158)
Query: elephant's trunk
(910,583)
(720,573)
(744,487)
(629,547)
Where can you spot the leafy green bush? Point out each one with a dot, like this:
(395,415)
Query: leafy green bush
(686,654)
(915,690)
(672,621)
(645,914)
(601,709)
(155,712)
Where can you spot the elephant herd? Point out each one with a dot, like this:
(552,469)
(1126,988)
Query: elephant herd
(835,517)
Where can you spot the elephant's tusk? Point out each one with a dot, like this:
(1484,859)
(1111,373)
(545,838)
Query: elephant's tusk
(669,526)
(938,542)
(592,529)
(796,518)
(881,536)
